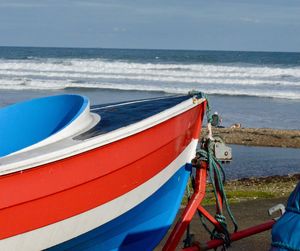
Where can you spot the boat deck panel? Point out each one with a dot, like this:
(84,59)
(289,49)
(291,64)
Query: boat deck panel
(118,115)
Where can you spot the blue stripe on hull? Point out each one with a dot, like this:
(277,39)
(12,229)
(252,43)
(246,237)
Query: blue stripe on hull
(141,228)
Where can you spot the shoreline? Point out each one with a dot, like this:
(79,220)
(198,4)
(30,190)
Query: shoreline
(266,187)
(258,136)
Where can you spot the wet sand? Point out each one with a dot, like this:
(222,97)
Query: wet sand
(258,136)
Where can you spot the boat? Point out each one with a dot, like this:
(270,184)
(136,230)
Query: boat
(103,177)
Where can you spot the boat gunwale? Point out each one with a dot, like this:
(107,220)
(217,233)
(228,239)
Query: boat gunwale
(69,147)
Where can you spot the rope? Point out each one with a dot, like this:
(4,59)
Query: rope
(216,174)
(217,179)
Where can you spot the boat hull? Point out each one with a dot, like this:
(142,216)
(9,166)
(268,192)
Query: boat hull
(73,197)
(140,228)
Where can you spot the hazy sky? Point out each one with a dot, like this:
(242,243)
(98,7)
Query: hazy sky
(260,25)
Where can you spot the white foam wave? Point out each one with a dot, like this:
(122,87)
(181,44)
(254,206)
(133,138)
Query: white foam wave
(277,82)
(146,77)
(27,84)
(44,85)
(117,67)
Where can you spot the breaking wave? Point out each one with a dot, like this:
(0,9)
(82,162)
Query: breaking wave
(234,79)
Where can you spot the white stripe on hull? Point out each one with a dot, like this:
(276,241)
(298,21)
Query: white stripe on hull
(70,147)
(62,231)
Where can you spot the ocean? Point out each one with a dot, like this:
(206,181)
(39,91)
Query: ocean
(256,89)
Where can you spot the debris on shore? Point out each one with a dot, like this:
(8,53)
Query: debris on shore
(258,136)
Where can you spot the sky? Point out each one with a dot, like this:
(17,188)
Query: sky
(252,25)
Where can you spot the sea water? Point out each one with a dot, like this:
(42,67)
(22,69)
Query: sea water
(261,74)
(256,161)
(256,89)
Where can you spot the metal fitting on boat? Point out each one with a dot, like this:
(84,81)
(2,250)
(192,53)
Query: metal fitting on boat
(221,150)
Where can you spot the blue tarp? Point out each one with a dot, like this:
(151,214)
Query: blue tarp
(286,231)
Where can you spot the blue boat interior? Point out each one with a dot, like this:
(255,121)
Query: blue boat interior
(26,123)
(141,228)
(117,115)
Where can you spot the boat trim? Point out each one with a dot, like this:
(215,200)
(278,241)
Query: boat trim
(70,147)
(59,232)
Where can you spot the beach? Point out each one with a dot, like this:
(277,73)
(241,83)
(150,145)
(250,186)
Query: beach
(259,90)
(258,136)
(105,108)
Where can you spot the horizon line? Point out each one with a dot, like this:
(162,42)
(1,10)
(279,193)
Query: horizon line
(150,49)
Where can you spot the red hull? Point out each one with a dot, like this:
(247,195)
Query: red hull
(62,189)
